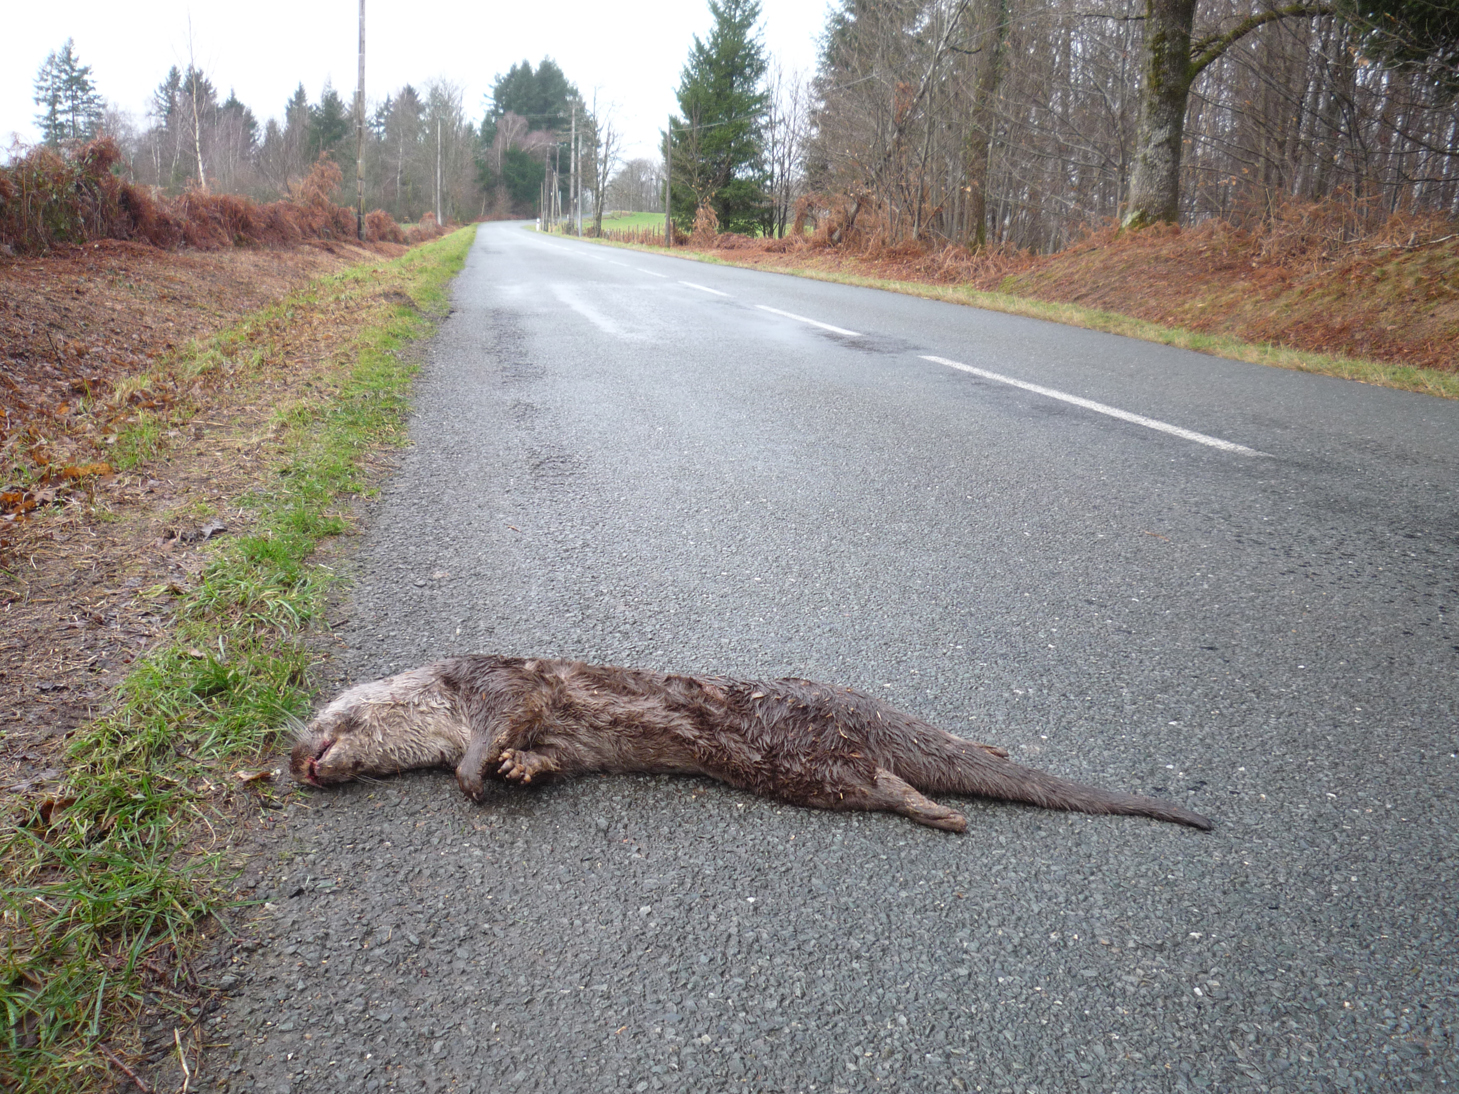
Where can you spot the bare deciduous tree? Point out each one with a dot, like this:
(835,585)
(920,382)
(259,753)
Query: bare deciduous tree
(787,128)
(638,187)
(1020,121)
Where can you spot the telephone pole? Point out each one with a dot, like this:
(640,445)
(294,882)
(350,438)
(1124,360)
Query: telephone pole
(572,166)
(360,136)
(668,182)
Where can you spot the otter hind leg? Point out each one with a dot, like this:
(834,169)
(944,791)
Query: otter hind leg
(895,795)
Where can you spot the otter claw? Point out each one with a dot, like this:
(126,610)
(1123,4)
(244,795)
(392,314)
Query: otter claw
(514,767)
(521,765)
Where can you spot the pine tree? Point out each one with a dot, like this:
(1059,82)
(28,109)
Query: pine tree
(243,119)
(543,97)
(71,109)
(542,101)
(405,184)
(330,123)
(717,143)
(1416,35)
(199,102)
(294,156)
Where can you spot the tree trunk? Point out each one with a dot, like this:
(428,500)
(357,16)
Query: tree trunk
(994,33)
(1155,180)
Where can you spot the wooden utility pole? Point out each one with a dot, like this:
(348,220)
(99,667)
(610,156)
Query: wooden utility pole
(572,165)
(360,136)
(668,182)
(438,172)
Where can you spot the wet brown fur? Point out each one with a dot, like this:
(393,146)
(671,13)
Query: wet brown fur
(793,740)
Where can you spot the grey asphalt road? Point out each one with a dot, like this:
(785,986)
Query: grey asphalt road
(638,459)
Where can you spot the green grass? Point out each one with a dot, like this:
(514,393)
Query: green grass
(137,443)
(108,874)
(632,220)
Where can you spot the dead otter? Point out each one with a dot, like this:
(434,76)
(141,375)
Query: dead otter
(797,741)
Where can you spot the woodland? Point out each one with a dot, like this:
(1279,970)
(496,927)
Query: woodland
(1026,123)
(1010,123)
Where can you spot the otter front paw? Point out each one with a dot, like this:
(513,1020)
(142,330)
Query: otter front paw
(520,765)
(471,771)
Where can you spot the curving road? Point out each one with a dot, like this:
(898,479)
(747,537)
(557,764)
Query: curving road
(1136,566)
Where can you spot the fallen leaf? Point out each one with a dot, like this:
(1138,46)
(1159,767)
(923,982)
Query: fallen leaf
(51,806)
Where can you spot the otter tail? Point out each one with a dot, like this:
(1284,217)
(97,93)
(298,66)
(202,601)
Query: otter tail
(963,767)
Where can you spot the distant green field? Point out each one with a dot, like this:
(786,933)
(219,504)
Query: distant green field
(632,220)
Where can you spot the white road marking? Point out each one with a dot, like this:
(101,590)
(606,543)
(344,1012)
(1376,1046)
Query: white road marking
(703,288)
(640,269)
(812,322)
(1113,412)
(566,294)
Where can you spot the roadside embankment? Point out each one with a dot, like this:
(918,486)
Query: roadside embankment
(174,586)
(1304,289)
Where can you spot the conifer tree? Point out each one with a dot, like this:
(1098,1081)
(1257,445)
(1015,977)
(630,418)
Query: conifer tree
(717,141)
(71,109)
(329,123)
(543,97)
(1415,35)
(542,101)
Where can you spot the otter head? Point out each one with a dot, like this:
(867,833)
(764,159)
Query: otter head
(333,748)
(381,728)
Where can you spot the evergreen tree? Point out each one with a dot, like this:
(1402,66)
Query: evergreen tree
(516,92)
(199,102)
(164,99)
(295,157)
(406,178)
(71,109)
(185,109)
(522,176)
(296,112)
(330,124)
(197,93)
(541,101)
(234,145)
(235,112)
(543,97)
(165,137)
(1410,34)
(378,119)
(273,158)
(717,142)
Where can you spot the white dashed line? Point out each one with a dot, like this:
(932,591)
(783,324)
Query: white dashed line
(640,269)
(812,322)
(1113,412)
(703,288)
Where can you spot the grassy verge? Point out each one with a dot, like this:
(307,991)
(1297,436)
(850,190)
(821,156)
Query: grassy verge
(105,879)
(1378,373)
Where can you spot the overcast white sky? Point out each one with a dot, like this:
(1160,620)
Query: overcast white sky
(632,53)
